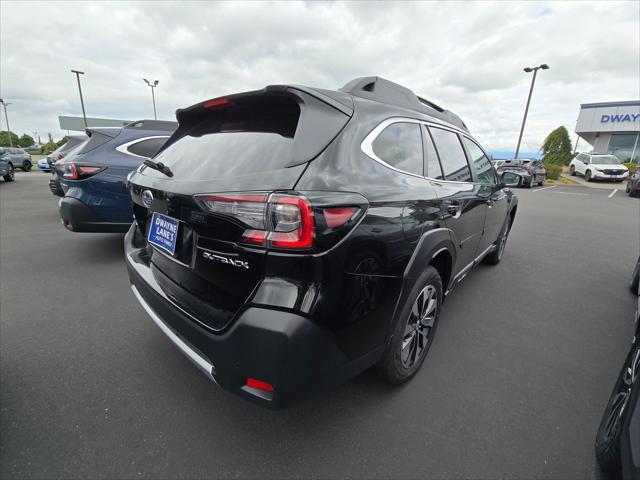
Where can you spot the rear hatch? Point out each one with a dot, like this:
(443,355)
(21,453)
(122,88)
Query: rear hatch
(226,158)
(73,156)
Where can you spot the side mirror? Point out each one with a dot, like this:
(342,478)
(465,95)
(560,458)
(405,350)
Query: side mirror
(511,179)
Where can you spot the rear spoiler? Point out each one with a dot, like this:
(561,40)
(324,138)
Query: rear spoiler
(111,132)
(323,115)
(98,136)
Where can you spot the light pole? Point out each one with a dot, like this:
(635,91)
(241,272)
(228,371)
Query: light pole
(544,66)
(6,117)
(84,115)
(153,97)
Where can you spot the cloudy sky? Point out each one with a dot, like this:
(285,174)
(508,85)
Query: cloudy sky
(467,57)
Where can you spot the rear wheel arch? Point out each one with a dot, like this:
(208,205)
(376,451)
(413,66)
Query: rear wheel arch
(434,244)
(512,213)
(442,261)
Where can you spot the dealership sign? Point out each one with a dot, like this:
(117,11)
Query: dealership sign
(620,118)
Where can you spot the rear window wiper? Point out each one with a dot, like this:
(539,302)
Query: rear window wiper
(161,167)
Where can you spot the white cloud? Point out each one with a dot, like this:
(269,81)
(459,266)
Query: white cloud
(465,56)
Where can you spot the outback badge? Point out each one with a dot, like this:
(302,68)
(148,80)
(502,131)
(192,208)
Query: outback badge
(228,261)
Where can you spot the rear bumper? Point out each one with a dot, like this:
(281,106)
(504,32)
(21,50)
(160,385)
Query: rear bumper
(78,217)
(290,352)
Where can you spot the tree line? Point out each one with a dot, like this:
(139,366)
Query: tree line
(26,140)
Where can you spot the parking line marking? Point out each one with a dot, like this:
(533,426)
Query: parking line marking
(612,193)
(545,188)
(571,193)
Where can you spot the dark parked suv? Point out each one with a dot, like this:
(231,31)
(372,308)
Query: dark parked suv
(288,238)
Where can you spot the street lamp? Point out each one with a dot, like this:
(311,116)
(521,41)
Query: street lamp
(544,66)
(84,115)
(153,97)
(6,117)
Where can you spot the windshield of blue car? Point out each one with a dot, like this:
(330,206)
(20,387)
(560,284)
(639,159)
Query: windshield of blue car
(605,160)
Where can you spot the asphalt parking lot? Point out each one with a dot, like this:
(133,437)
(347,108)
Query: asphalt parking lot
(514,386)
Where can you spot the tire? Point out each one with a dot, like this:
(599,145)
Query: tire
(635,279)
(572,171)
(26,166)
(609,432)
(541,182)
(399,364)
(587,175)
(531,182)
(494,257)
(9,177)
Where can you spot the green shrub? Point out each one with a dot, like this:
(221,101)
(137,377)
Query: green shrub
(631,166)
(553,170)
(48,148)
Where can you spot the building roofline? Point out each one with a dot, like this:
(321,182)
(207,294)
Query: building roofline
(628,103)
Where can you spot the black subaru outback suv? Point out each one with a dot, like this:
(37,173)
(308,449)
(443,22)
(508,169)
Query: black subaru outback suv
(289,238)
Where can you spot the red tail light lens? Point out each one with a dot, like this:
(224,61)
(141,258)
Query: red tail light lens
(259,384)
(337,217)
(278,220)
(79,171)
(249,209)
(291,222)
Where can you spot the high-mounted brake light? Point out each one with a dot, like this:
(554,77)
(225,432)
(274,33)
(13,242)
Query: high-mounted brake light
(218,103)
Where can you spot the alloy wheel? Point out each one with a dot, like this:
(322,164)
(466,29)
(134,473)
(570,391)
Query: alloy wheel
(614,414)
(419,326)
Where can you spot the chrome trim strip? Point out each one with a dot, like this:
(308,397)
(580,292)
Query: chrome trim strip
(367,144)
(123,148)
(462,273)
(485,253)
(156,249)
(189,352)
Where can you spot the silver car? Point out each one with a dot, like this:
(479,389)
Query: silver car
(17,157)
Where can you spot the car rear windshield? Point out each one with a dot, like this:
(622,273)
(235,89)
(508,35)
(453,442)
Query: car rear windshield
(605,160)
(259,138)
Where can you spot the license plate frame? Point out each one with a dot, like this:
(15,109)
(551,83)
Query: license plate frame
(163,232)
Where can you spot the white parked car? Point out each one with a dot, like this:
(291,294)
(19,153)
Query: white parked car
(598,166)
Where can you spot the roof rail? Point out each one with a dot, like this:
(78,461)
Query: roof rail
(153,125)
(385,91)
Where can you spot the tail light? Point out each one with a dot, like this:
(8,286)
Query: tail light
(80,171)
(277,220)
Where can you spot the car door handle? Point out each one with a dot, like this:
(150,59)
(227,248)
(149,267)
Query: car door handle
(452,207)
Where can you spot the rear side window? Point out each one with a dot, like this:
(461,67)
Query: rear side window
(432,164)
(147,148)
(452,157)
(400,146)
(480,162)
